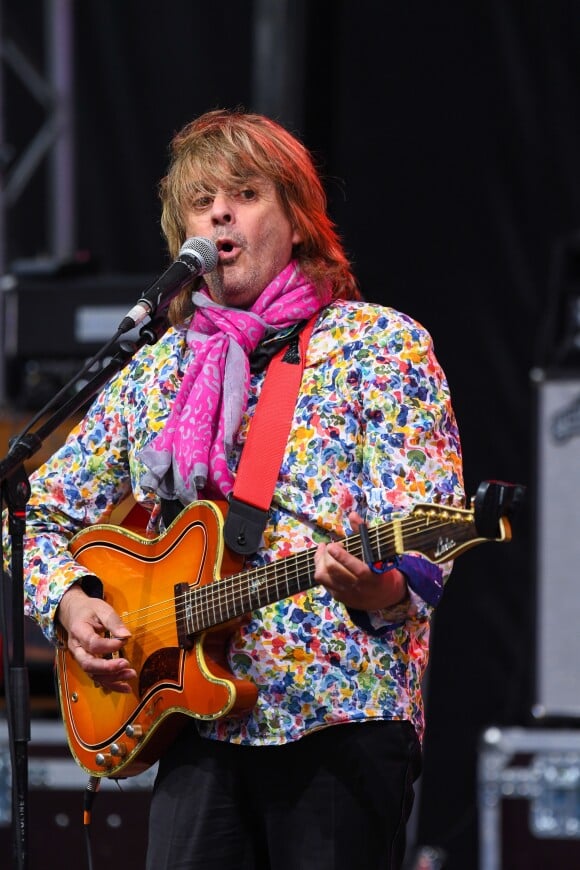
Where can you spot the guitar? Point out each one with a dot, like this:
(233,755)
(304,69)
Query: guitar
(183,593)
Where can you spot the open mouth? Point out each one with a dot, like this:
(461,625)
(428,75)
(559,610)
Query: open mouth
(228,250)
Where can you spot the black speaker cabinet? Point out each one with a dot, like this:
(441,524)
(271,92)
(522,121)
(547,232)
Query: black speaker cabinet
(558,547)
(53,325)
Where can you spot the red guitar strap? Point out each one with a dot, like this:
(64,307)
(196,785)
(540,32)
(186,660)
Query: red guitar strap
(264,448)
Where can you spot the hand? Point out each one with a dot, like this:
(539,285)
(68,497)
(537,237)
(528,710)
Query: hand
(351,581)
(87,622)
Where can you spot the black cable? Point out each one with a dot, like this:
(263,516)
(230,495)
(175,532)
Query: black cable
(90,795)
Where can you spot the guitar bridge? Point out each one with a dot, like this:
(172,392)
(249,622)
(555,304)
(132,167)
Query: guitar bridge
(182,598)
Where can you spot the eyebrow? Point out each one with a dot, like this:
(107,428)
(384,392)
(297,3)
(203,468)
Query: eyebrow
(257,181)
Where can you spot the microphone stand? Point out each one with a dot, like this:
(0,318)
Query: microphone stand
(15,492)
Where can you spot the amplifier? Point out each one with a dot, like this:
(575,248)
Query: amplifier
(557,547)
(52,326)
(67,316)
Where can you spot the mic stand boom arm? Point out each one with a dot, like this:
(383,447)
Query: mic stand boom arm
(15,491)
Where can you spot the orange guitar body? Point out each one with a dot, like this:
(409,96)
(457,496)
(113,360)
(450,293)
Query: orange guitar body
(114,734)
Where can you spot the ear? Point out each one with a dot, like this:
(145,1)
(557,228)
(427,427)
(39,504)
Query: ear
(296,237)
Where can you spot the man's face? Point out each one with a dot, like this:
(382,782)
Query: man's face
(253,236)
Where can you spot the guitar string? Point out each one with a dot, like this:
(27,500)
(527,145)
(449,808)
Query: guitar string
(234,583)
(211,596)
(353,544)
(217,600)
(222,594)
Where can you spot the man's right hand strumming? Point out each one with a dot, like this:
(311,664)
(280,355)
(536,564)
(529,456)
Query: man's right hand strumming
(96,633)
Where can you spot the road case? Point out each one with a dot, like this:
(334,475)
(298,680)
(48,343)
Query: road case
(529,799)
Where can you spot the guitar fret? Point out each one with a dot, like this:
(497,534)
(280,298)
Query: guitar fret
(231,597)
(374,533)
(214,599)
(286,580)
(223,604)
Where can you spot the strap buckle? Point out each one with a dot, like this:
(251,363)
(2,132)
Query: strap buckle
(244,526)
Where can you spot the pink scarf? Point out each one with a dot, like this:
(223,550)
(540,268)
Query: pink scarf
(193,449)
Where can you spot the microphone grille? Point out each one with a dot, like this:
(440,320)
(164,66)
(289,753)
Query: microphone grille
(204,249)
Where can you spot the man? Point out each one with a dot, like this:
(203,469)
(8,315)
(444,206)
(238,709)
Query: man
(319,773)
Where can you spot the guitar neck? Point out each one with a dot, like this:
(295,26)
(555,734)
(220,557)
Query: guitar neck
(238,594)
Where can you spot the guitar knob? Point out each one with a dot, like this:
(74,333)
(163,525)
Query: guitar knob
(135,732)
(103,759)
(118,750)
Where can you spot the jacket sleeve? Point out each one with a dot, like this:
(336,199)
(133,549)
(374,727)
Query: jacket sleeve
(412,451)
(78,486)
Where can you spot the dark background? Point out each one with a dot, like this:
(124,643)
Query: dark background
(448,135)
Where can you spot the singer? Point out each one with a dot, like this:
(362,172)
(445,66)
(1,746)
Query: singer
(317,769)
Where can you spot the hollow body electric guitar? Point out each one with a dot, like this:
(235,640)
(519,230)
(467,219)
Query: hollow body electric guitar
(183,593)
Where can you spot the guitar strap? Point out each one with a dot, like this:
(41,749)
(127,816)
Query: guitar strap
(249,504)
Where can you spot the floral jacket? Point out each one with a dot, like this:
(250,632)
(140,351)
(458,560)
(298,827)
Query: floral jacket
(373,431)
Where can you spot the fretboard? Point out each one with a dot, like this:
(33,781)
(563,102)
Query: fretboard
(238,594)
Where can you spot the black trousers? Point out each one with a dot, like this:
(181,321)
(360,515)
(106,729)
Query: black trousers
(338,798)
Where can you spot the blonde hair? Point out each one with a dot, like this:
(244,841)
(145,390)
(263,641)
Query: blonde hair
(224,146)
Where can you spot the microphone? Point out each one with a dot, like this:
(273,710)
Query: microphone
(197,256)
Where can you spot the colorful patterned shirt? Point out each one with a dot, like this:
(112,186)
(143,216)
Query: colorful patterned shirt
(373,431)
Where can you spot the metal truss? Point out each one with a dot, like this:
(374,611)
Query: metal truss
(53,142)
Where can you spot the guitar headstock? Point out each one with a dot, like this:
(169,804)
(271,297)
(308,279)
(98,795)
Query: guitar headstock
(442,532)
(494,501)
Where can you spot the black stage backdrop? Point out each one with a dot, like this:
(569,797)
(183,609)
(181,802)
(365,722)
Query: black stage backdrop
(449,137)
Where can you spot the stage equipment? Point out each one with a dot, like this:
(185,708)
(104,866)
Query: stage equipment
(529,799)
(557,683)
(52,326)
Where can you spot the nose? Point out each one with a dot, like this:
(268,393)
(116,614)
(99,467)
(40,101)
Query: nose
(222,211)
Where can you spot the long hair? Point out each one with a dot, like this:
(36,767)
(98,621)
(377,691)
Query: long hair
(223,147)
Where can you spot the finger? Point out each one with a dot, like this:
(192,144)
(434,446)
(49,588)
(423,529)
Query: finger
(332,565)
(333,576)
(113,686)
(321,562)
(124,688)
(97,665)
(96,644)
(109,621)
(100,631)
(117,681)
(355,520)
(116,628)
(347,562)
